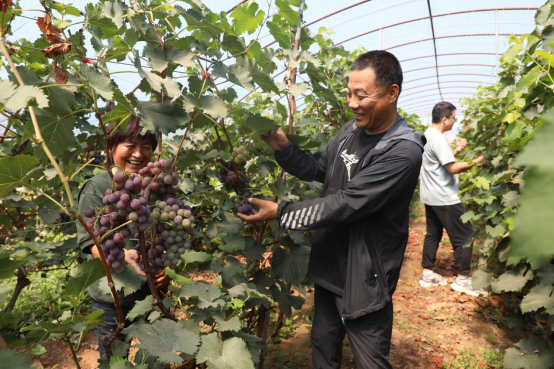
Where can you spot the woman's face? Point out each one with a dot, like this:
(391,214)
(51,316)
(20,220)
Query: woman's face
(132,156)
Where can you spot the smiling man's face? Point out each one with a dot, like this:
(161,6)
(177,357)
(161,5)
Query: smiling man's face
(371,104)
(133,155)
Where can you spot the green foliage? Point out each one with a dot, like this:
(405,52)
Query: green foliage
(467,359)
(529,354)
(195,68)
(508,197)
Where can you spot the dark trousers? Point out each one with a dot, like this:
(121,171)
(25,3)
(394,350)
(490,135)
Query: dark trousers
(110,323)
(369,335)
(447,217)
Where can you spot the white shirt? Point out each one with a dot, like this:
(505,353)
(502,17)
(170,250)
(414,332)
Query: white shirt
(436,185)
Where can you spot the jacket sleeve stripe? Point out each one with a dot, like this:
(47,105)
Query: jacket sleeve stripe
(284,219)
(320,211)
(300,222)
(313,215)
(294,221)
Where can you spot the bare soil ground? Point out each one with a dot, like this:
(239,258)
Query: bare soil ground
(431,326)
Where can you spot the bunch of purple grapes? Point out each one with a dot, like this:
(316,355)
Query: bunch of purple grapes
(130,201)
(242,206)
(162,179)
(229,177)
(98,157)
(102,222)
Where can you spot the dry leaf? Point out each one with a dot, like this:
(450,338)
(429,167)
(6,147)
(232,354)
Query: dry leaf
(60,74)
(46,27)
(5,4)
(57,49)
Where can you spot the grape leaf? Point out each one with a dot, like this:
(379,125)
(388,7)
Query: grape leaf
(100,83)
(15,98)
(257,124)
(540,151)
(232,272)
(279,34)
(95,17)
(229,354)
(532,222)
(241,77)
(481,279)
(231,324)
(84,275)
(285,300)
(5,288)
(510,198)
(512,280)
(211,30)
(229,224)
(57,133)
(64,8)
(285,11)
(470,215)
(291,264)
(214,106)
(253,343)
(496,231)
(233,44)
(196,257)
(156,82)
(540,296)
(114,11)
(531,353)
(14,171)
(127,281)
(159,59)
(208,295)
(246,19)
(233,243)
(12,359)
(298,89)
(528,79)
(140,308)
(164,339)
(162,118)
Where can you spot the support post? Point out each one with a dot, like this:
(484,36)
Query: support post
(496,24)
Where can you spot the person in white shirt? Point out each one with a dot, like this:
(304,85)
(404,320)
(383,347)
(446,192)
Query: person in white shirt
(443,208)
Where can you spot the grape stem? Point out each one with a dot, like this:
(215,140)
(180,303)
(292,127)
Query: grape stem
(153,290)
(182,141)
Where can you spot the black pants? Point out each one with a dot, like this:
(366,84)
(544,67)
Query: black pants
(447,217)
(110,323)
(369,335)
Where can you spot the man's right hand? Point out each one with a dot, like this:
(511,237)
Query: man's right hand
(479,159)
(276,139)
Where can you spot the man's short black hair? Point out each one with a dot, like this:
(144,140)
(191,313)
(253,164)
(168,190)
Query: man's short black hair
(385,65)
(441,110)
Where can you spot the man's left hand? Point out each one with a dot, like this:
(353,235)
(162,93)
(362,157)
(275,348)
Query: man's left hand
(268,211)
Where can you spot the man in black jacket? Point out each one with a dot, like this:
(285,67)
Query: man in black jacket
(369,172)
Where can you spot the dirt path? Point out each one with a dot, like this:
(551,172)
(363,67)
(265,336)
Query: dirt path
(432,327)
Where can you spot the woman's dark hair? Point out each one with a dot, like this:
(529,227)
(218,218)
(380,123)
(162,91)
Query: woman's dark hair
(132,133)
(385,65)
(441,110)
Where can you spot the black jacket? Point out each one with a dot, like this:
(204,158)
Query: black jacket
(374,208)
